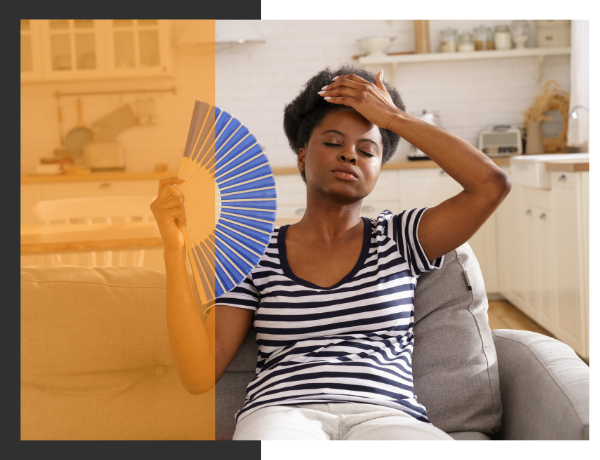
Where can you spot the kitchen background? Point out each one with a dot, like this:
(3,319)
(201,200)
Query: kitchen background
(533,251)
(255,80)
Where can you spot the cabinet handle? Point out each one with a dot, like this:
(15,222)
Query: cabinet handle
(368,208)
(543,216)
(300,210)
(106,185)
(528,212)
(562,178)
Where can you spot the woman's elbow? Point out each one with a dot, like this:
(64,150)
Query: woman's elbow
(499,186)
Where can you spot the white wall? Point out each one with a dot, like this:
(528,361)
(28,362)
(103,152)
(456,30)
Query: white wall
(255,81)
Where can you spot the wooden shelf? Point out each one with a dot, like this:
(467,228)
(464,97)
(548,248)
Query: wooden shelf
(538,53)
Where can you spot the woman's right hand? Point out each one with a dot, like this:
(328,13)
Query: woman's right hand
(169,212)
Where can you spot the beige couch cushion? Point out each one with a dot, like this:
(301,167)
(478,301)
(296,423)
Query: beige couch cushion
(120,380)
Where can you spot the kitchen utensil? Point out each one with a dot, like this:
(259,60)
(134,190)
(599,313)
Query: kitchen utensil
(61,151)
(421,36)
(501,141)
(230,200)
(520,33)
(104,156)
(111,125)
(376,46)
(432,119)
(78,136)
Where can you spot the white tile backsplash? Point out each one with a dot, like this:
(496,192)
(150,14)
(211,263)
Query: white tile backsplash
(255,81)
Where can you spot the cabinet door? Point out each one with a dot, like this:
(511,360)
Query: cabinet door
(522,278)
(137,47)
(585,203)
(506,239)
(571,321)
(425,187)
(72,49)
(57,191)
(543,267)
(31,55)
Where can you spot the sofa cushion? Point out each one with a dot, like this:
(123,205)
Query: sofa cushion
(455,369)
(96,361)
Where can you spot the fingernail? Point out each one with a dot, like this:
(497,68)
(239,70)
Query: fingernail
(325,86)
(321,92)
(180,178)
(327,97)
(381,74)
(336,77)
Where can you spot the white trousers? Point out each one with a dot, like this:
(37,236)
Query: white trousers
(334,421)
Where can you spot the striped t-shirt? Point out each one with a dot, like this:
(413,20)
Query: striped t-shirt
(351,342)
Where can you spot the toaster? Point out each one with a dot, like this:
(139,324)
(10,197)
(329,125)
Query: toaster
(501,141)
(104,156)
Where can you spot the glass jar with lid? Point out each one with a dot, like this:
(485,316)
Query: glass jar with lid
(484,39)
(448,40)
(465,42)
(502,38)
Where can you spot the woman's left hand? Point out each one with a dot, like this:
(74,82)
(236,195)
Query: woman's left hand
(372,101)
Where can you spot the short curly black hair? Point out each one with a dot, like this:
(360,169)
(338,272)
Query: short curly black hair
(308,109)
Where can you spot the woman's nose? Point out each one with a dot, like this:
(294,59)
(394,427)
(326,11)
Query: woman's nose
(348,157)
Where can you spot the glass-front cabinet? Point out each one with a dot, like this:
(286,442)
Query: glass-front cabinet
(137,47)
(31,56)
(86,49)
(72,49)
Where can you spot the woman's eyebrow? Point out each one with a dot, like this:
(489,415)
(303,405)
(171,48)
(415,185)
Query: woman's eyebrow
(343,135)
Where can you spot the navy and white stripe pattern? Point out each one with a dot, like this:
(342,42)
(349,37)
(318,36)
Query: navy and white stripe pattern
(351,342)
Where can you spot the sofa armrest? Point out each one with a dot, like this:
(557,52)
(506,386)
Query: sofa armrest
(544,387)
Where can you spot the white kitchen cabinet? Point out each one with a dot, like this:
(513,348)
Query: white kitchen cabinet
(72,49)
(572,306)
(61,190)
(90,49)
(431,186)
(31,55)
(137,47)
(543,255)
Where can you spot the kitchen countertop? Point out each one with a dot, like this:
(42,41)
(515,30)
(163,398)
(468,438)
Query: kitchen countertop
(127,175)
(568,165)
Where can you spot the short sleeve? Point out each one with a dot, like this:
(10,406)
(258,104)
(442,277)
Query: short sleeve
(244,295)
(406,227)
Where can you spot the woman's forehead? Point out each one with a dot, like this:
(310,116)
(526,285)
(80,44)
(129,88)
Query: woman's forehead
(348,122)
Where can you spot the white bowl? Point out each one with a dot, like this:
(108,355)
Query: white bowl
(376,46)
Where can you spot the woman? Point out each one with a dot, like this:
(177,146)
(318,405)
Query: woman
(332,298)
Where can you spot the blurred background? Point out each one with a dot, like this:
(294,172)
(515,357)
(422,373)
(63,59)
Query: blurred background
(106,107)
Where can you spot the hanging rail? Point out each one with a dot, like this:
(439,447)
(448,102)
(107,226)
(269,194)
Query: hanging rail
(59,94)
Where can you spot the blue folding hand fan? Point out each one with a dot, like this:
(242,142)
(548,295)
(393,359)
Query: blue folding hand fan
(230,200)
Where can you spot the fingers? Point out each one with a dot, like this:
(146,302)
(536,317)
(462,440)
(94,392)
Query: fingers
(162,183)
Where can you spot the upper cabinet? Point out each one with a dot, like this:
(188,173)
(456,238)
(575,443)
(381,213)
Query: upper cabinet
(72,49)
(31,56)
(91,49)
(137,47)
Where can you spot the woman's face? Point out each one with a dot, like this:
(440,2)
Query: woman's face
(343,156)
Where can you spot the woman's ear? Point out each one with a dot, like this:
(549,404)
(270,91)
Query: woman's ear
(301,158)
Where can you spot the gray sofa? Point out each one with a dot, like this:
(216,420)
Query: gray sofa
(96,363)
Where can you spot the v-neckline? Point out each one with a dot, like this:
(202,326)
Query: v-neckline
(290,274)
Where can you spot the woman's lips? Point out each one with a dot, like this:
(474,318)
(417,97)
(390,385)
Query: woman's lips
(344,175)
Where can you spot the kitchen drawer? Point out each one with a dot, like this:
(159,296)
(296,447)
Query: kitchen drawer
(537,197)
(291,190)
(560,179)
(57,191)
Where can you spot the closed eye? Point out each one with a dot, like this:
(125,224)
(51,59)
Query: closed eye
(337,145)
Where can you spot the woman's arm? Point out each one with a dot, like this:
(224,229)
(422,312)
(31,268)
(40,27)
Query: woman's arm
(201,350)
(453,222)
